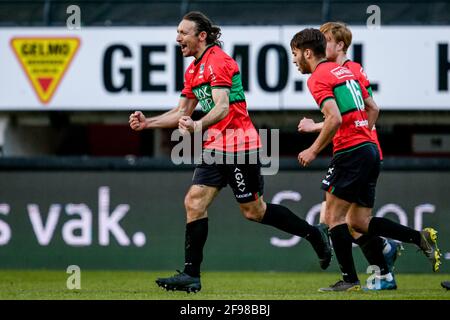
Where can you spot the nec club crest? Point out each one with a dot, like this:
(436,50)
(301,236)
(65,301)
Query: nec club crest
(341,72)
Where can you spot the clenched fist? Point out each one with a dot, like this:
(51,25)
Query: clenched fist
(306,125)
(137,121)
(306,157)
(186,124)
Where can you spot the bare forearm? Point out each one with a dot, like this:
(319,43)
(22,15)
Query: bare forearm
(372,111)
(327,131)
(318,127)
(372,116)
(168,119)
(216,114)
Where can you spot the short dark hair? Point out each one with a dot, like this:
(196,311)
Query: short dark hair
(204,24)
(311,39)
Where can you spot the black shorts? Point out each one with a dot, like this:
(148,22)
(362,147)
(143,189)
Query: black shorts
(244,179)
(352,175)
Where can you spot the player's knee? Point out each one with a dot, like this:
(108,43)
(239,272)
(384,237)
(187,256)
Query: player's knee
(252,212)
(356,226)
(194,207)
(357,223)
(334,220)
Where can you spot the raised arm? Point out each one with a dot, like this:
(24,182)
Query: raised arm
(168,119)
(220,110)
(221,107)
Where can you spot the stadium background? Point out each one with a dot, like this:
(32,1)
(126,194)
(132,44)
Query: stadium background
(67,167)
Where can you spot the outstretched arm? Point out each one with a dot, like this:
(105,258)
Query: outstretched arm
(168,119)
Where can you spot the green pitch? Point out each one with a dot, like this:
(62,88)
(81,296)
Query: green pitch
(216,285)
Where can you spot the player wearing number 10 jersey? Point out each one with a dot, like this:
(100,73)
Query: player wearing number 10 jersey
(331,81)
(351,178)
(378,251)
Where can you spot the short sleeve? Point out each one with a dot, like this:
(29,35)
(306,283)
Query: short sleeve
(365,83)
(220,75)
(365,93)
(363,77)
(187,89)
(320,90)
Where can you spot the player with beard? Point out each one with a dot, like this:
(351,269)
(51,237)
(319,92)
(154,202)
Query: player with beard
(378,251)
(214,81)
(351,178)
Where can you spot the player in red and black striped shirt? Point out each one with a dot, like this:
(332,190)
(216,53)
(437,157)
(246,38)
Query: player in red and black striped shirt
(378,251)
(351,178)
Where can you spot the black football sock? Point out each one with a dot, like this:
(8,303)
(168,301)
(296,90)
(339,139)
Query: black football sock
(386,228)
(284,219)
(195,238)
(372,248)
(342,244)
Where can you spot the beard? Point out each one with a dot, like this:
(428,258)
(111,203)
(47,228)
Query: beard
(304,67)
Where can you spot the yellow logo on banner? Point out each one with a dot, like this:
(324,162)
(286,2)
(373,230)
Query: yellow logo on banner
(45,60)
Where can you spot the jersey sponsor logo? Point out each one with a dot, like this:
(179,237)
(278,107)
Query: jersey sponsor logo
(341,72)
(325,182)
(361,123)
(45,61)
(204,96)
